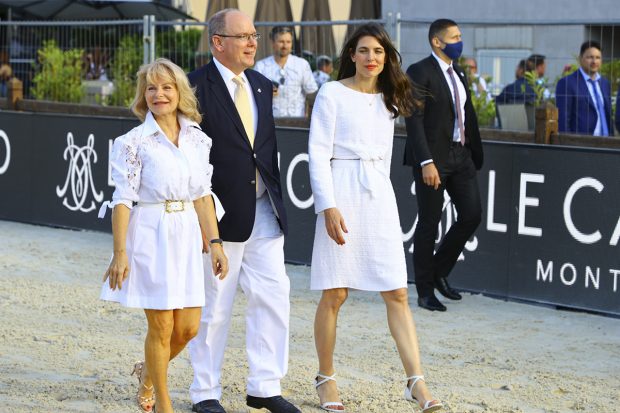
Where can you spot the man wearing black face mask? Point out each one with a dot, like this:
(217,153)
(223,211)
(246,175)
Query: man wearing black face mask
(444,148)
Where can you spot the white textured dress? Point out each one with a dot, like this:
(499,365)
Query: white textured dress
(350,149)
(164,248)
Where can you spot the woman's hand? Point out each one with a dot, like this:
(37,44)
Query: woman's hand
(334,223)
(205,243)
(118,270)
(219,262)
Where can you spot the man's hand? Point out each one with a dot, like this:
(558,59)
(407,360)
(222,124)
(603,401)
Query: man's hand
(430,175)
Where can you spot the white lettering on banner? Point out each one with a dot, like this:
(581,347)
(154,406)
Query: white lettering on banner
(409,234)
(525,201)
(493,226)
(79,176)
(451,216)
(616,235)
(7,158)
(574,271)
(110,180)
(544,273)
(590,276)
(301,157)
(568,219)
(568,275)
(615,274)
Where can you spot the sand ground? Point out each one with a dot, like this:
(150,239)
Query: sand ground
(63,350)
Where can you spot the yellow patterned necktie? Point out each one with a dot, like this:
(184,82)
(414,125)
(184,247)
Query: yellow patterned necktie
(242,103)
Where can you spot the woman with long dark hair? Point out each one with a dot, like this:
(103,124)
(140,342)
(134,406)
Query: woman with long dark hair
(358,242)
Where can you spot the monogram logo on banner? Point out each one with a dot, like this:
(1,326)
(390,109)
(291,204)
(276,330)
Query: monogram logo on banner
(7,157)
(79,182)
(448,217)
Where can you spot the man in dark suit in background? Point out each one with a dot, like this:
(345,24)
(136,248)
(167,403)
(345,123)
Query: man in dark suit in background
(237,116)
(583,98)
(520,91)
(444,148)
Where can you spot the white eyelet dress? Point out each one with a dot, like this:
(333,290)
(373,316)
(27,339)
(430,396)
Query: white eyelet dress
(164,248)
(350,150)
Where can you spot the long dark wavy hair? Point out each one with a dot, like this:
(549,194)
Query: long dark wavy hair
(392,82)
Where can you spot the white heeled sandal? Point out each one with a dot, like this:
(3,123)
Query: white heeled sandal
(430,405)
(327,406)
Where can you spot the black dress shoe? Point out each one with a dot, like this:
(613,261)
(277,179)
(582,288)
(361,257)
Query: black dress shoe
(275,404)
(431,303)
(444,288)
(208,406)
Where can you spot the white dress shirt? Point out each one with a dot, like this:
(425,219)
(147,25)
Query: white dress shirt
(228,77)
(462,95)
(456,136)
(597,77)
(321,77)
(295,81)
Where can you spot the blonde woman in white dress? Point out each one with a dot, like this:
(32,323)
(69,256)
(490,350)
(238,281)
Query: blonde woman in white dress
(358,242)
(162,166)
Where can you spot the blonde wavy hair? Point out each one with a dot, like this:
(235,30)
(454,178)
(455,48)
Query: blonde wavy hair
(164,69)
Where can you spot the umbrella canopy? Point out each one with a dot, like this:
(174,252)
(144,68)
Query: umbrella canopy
(213,7)
(363,9)
(317,40)
(91,9)
(270,11)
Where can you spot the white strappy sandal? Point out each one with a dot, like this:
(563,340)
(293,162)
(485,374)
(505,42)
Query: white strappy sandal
(430,405)
(328,406)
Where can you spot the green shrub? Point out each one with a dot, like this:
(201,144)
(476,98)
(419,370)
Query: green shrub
(537,86)
(123,68)
(58,74)
(179,46)
(484,107)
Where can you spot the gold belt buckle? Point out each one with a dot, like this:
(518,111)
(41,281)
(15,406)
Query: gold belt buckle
(175,206)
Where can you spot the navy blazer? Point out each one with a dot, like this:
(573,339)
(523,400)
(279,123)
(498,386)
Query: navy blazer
(518,92)
(577,109)
(430,130)
(233,158)
(618,110)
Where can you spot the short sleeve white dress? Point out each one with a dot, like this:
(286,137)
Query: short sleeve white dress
(164,248)
(350,150)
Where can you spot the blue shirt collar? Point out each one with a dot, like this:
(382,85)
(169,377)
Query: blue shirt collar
(586,76)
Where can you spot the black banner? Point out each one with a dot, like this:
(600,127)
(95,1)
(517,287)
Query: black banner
(550,229)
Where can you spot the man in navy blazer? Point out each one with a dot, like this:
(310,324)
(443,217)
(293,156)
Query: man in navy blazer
(617,110)
(444,148)
(236,103)
(583,98)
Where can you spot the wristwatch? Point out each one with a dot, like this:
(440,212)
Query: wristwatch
(216,241)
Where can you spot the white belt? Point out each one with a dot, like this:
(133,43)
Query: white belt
(372,171)
(168,205)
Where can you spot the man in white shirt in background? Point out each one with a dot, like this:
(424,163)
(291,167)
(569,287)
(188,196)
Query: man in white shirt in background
(324,68)
(291,75)
(478,83)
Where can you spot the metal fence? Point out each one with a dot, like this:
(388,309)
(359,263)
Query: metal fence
(499,46)
(96,61)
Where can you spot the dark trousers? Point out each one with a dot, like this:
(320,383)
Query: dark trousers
(458,177)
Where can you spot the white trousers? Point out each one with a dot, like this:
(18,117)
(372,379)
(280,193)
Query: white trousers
(257,265)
